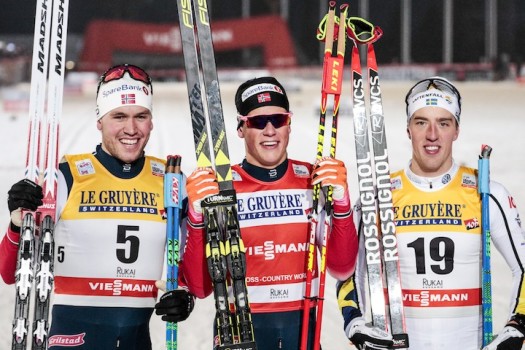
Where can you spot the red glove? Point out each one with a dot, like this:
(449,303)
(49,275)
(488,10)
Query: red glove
(331,172)
(202,183)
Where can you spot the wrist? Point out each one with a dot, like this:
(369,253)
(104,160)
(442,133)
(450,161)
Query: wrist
(14,228)
(517,321)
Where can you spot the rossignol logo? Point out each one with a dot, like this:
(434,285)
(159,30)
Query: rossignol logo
(119,201)
(67,340)
(386,211)
(368,209)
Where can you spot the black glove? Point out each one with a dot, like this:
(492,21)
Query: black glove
(24,194)
(175,305)
(511,337)
(366,336)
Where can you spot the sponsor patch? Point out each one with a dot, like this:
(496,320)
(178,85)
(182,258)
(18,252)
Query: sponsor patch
(469,180)
(66,340)
(157,168)
(396,182)
(85,167)
(300,170)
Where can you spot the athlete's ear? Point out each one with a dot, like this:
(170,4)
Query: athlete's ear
(240,132)
(408,133)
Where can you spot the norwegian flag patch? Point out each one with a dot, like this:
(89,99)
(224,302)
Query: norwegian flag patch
(128,99)
(264,97)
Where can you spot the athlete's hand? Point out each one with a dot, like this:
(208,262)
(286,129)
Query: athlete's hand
(24,194)
(331,172)
(202,183)
(175,305)
(511,337)
(366,336)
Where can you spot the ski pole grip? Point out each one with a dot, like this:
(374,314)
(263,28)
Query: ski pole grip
(173,182)
(483,168)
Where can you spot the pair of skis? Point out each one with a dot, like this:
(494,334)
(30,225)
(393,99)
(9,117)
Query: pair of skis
(224,246)
(35,258)
(331,85)
(373,171)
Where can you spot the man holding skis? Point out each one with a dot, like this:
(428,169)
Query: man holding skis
(110,233)
(274,196)
(438,216)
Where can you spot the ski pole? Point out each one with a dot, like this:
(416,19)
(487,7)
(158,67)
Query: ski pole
(331,85)
(486,283)
(173,204)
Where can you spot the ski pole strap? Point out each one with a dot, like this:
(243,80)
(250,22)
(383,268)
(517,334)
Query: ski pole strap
(326,25)
(362,31)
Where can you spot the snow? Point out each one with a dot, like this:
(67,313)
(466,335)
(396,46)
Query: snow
(492,114)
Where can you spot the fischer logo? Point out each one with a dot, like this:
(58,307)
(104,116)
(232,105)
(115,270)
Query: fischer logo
(203,12)
(186,13)
(67,340)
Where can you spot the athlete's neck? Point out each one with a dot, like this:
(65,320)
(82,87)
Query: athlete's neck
(264,174)
(433,183)
(117,167)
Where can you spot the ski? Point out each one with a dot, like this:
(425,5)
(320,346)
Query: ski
(173,204)
(486,278)
(375,189)
(36,246)
(224,245)
(331,85)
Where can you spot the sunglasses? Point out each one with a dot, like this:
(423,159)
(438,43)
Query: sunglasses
(433,83)
(117,72)
(260,121)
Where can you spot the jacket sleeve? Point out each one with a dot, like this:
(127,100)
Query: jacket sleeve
(342,243)
(508,238)
(193,269)
(8,255)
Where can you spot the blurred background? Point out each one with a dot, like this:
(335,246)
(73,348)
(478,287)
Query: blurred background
(463,40)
